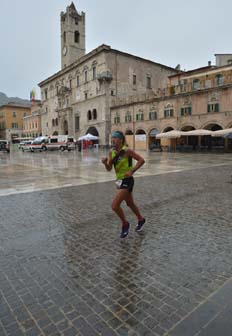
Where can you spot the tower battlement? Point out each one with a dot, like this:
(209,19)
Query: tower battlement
(72,35)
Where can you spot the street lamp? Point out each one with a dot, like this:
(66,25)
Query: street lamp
(133,127)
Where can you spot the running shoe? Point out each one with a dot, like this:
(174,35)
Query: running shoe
(139,226)
(125,230)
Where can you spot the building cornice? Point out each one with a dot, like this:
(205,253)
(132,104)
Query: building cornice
(201,71)
(15,106)
(182,94)
(93,53)
(72,66)
(145,60)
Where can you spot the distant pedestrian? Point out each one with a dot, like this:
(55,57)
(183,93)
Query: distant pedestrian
(120,156)
(79,146)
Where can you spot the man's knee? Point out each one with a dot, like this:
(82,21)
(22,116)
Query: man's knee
(114,206)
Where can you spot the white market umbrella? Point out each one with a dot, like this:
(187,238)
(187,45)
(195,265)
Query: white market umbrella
(88,136)
(197,132)
(222,132)
(171,134)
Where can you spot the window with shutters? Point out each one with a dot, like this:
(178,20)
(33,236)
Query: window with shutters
(117,120)
(152,115)
(185,111)
(196,84)
(213,107)
(219,79)
(128,118)
(168,113)
(139,117)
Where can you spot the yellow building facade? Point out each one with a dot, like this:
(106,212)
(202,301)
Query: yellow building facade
(11,120)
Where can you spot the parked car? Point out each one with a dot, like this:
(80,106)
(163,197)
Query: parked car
(22,142)
(26,145)
(5,146)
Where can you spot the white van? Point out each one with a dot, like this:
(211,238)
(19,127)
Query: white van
(61,142)
(39,144)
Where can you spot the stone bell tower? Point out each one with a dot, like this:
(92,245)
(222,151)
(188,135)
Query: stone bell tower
(72,35)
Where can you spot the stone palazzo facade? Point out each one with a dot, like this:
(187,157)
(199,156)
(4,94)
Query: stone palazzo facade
(78,99)
(197,99)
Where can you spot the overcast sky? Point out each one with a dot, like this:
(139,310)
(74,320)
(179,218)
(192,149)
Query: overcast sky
(170,32)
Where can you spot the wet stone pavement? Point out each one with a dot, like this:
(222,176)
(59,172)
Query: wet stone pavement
(64,270)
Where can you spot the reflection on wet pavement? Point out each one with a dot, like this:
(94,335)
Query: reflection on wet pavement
(64,270)
(25,172)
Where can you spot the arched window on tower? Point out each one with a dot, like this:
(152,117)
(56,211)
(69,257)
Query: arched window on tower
(76,37)
(64,37)
(89,115)
(94,114)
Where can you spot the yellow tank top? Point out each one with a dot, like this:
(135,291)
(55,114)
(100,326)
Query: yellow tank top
(122,163)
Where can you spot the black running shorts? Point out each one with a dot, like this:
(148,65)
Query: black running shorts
(126,183)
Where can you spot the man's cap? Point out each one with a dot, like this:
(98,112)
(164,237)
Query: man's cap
(117,134)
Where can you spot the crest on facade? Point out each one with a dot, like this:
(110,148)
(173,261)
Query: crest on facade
(213,97)
(187,101)
(63,91)
(153,107)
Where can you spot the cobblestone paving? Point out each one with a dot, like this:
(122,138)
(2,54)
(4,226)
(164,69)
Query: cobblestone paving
(64,270)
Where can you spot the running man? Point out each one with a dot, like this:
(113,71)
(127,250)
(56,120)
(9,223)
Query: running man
(121,158)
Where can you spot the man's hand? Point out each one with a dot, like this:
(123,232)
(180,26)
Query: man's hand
(107,162)
(104,160)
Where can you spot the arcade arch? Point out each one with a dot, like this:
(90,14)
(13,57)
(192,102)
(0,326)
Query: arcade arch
(213,141)
(140,141)
(140,131)
(130,140)
(153,143)
(167,129)
(128,132)
(92,130)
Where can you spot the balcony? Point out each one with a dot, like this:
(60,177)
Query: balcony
(105,76)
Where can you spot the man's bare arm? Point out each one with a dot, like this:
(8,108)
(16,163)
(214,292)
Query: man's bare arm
(140,161)
(107,161)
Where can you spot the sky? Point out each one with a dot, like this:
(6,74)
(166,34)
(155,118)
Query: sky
(169,32)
